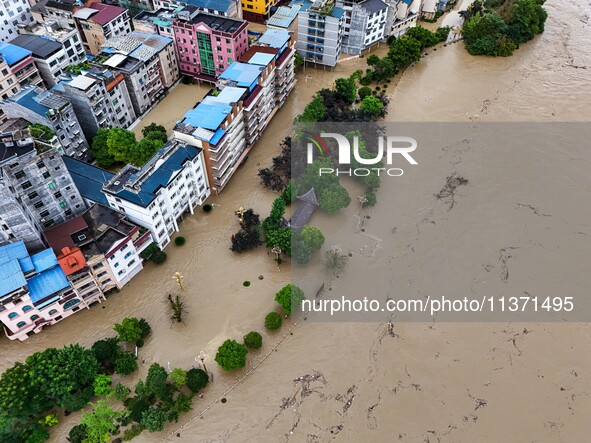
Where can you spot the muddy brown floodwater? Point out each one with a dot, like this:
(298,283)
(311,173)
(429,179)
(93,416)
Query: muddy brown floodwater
(356,381)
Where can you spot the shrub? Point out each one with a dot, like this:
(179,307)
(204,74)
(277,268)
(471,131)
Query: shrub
(105,350)
(125,363)
(246,283)
(365,80)
(137,409)
(129,329)
(132,432)
(147,253)
(197,379)
(178,377)
(145,327)
(207,207)
(253,340)
(121,392)
(289,296)
(159,257)
(77,434)
(364,92)
(231,355)
(273,321)
(153,419)
(139,343)
(102,385)
(179,241)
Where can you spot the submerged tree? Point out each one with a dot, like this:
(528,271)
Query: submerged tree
(335,260)
(177,307)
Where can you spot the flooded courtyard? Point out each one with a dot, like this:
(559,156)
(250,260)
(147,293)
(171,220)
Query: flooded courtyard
(360,381)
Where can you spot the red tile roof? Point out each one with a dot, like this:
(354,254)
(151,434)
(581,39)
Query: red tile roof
(59,237)
(106,13)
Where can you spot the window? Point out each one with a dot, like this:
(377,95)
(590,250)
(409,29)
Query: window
(33,195)
(44,214)
(19,174)
(27,308)
(39,205)
(12,315)
(40,164)
(26,185)
(46,175)
(53,311)
(52,186)
(131,263)
(71,303)
(34,317)
(63,204)
(116,265)
(129,254)
(58,194)
(20,324)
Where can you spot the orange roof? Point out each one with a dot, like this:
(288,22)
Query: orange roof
(71,260)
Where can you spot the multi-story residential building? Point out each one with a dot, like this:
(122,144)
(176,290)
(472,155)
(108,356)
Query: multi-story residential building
(285,18)
(69,38)
(61,11)
(154,196)
(37,190)
(108,244)
(365,24)
(46,108)
(35,292)
(257,10)
(100,100)
(208,44)
(225,8)
(227,123)
(156,22)
(99,22)
(12,13)
(148,64)
(402,15)
(321,26)
(17,69)
(49,56)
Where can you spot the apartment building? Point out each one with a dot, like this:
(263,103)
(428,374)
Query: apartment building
(37,190)
(16,70)
(285,18)
(13,12)
(257,10)
(49,56)
(365,24)
(225,8)
(208,44)
(46,108)
(228,121)
(402,15)
(69,38)
(99,22)
(321,26)
(147,62)
(34,291)
(155,196)
(156,22)
(106,241)
(100,100)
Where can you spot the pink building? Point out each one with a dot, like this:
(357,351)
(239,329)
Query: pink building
(207,44)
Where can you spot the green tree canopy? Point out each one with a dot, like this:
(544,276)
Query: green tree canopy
(101,422)
(346,89)
(231,355)
(153,127)
(314,112)
(129,329)
(100,150)
(119,143)
(334,198)
(404,51)
(253,340)
(290,296)
(197,379)
(312,236)
(372,106)
(153,419)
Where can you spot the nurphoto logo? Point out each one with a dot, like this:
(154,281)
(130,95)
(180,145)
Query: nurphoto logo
(388,146)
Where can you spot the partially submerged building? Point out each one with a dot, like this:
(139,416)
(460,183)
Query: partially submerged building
(34,291)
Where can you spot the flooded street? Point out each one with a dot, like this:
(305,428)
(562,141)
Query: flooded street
(357,382)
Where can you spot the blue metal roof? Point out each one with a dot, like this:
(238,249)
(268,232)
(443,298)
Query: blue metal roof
(48,282)
(217,136)
(11,277)
(243,74)
(208,115)
(216,5)
(275,38)
(12,53)
(26,98)
(284,16)
(337,12)
(44,260)
(88,179)
(16,251)
(261,59)
(230,94)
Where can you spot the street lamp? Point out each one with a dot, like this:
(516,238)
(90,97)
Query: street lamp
(277,251)
(201,359)
(240,213)
(179,279)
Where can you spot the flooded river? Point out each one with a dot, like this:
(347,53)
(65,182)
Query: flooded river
(357,382)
